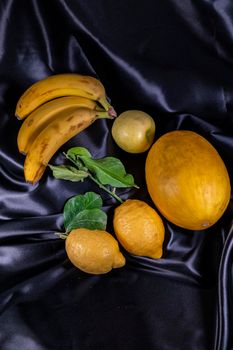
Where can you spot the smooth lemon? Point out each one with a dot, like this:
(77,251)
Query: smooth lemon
(133,131)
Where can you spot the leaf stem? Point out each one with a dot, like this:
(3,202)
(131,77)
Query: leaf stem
(61,235)
(112,193)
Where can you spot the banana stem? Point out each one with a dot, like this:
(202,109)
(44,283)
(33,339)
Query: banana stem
(99,108)
(103,115)
(111,111)
(103,101)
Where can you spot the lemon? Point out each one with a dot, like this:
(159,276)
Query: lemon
(139,228)
(93,251)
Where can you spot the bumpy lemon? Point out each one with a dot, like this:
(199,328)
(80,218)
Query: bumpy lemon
(133,131)
(93,251)
(139,228)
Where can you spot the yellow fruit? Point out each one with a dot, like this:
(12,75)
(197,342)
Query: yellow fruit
(60,85)
(139,228)
(45,114)
(55,134)
(133,131)
(93,251)
(187,180)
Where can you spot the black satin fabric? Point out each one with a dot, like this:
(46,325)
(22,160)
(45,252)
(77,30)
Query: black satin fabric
(174,60)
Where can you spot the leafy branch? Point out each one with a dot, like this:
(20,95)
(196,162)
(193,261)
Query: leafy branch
(107,171)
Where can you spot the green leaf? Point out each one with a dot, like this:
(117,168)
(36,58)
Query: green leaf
(109,171)
(75,152)
(103,171)
(92,219)
(84,211)
(68,173)
(89,200)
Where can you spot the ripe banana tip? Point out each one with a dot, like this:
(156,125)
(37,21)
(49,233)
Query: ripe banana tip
(30,182)
(17,117)
(34,181)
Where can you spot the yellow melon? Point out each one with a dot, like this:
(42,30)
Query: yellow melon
(187,180)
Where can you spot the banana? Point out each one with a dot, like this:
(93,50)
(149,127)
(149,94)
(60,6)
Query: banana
(44,114)
(59,85)
(58,132)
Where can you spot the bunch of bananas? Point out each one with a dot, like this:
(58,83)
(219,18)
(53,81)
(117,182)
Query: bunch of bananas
(56,109)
